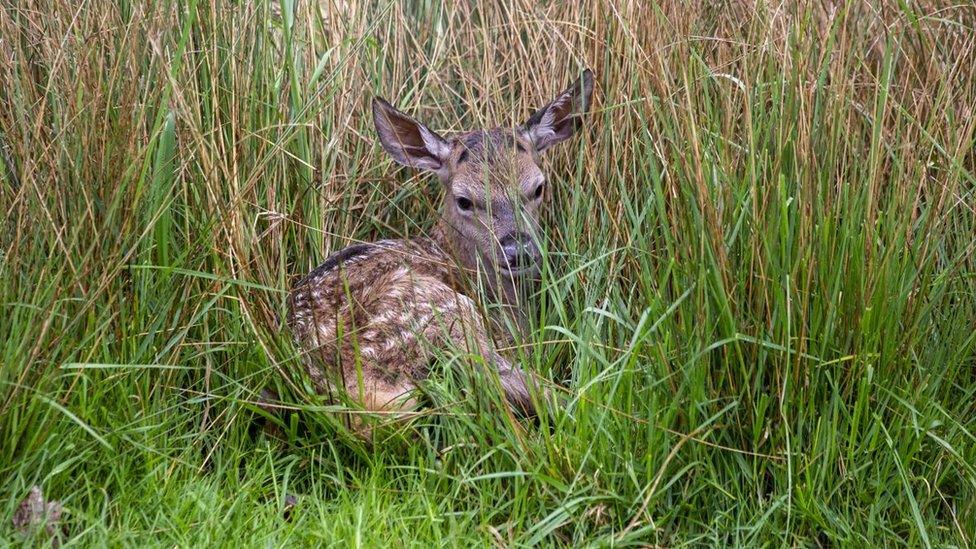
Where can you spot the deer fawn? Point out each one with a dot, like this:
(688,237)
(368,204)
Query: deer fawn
(371,316)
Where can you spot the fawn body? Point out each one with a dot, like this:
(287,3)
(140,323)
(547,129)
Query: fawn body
(372,315)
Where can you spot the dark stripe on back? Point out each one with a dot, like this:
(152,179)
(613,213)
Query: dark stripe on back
(335,260)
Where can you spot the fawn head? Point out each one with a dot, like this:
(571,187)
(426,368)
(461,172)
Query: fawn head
(494,184)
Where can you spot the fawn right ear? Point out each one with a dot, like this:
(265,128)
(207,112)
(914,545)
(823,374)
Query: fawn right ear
(409,142)
(562,117)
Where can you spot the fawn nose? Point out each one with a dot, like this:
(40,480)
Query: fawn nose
(520,251)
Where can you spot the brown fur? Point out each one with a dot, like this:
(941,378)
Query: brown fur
(373,316)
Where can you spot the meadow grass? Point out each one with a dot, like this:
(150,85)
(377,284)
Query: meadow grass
(760,298)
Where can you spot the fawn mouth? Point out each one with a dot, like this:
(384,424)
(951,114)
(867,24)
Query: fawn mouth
(517,272)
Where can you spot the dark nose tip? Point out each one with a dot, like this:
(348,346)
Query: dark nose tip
(520,250)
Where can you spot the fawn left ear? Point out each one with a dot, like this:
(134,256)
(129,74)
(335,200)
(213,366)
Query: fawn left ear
(559,120)
(409,142)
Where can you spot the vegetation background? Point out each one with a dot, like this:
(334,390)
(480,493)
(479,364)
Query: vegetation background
(761,305)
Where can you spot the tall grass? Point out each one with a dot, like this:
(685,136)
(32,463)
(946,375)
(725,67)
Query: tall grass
(760,299)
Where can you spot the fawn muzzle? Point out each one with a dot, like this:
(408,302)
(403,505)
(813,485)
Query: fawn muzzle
(519,253)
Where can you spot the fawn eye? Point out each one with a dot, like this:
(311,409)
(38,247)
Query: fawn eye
(464,204)
(537,193)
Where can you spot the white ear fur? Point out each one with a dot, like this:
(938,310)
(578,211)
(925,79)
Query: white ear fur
(435,143)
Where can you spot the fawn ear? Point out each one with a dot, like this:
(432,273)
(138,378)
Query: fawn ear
(409,142)
(559,120)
